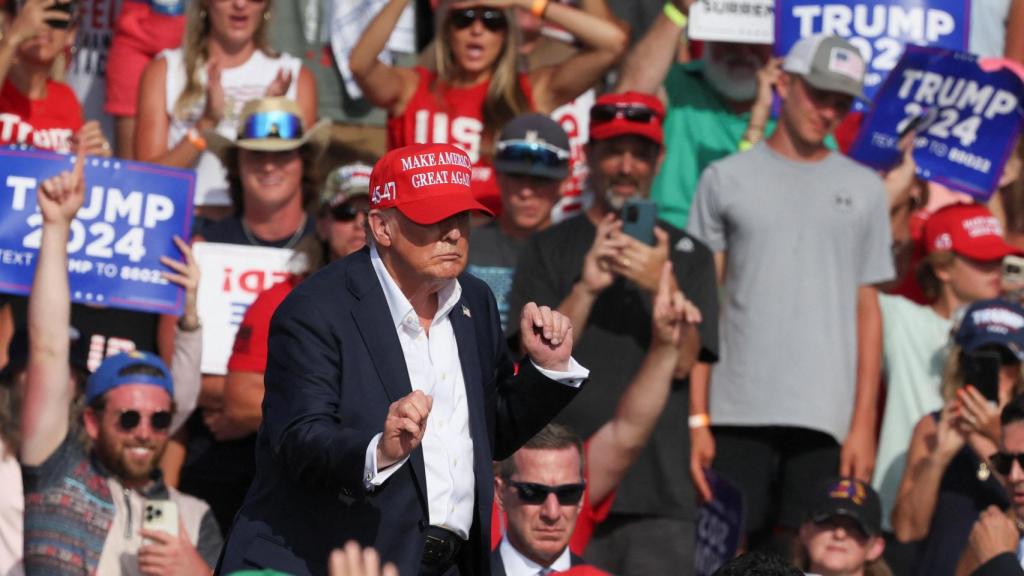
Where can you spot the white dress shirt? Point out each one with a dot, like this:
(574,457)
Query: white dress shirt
(518,565)
(435,369)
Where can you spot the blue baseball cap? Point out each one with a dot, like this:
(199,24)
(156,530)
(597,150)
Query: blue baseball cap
(993,322)
(107,376)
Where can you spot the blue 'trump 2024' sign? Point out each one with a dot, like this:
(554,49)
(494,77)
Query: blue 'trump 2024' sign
(878,28)
(967,119)
(132,211)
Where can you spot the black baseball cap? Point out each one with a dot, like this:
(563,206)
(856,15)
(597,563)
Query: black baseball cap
(851,498)
(533,145)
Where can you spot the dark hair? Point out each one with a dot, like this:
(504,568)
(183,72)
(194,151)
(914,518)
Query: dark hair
(925,274)
(1014,411)
(310,179)
(758,564)
(551,437)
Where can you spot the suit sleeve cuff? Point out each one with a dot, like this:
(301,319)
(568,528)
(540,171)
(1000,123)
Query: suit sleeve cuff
(573,377)
(372,477)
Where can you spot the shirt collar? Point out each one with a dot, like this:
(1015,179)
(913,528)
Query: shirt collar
(400,307)
(518,565)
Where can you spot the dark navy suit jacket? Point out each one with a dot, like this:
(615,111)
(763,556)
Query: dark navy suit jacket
(334,366)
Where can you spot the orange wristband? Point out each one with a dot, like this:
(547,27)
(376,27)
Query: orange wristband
(539,8)
(196,139)
(699,421)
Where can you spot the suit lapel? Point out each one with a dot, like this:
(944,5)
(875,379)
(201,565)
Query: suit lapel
(373,320)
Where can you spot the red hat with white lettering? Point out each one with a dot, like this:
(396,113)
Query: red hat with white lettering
(628,113)
(969,230)
(426,182)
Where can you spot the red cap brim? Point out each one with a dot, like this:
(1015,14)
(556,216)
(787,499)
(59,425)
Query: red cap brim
(623,127)
(431,210)
(996,249)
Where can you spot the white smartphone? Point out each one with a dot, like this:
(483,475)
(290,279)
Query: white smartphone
(161,515)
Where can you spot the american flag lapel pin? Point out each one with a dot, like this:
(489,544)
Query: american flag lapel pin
(465,311)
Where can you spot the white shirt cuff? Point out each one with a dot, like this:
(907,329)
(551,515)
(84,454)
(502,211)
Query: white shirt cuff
(372,477)
(573,377)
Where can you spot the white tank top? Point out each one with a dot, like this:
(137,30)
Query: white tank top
(241,84)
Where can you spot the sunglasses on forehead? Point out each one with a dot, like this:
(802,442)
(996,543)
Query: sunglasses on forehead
(601,113)
(272,124)
(531,493)
(529,152)
(128,420)
(492,18)
(1002,462)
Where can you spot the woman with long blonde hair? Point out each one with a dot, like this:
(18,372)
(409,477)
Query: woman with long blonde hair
(225,61)
(478,86)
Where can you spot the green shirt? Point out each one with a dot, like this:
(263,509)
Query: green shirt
(699,129)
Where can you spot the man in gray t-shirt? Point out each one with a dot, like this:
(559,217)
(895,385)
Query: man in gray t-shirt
(800,236)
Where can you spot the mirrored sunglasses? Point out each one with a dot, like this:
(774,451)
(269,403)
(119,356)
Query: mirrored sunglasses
(1002,462)
(272,124)
(532,153)
(128,420)
(601,113)
(567,494)
(492,19)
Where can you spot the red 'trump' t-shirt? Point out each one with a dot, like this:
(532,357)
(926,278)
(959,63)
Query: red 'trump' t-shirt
(47,124)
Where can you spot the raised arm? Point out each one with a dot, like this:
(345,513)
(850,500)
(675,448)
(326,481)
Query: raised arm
(153,122)
(1014,46)
(186,361)
(603,43)
(651,58)
(596,275)
(616,445)
(932,447)
(385,86)
(49,389)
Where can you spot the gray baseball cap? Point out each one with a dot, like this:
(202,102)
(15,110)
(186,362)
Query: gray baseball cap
(533,145)
(828,63)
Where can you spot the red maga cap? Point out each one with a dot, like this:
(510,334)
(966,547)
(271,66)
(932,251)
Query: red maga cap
(628,113)
(967,229)
(426,182)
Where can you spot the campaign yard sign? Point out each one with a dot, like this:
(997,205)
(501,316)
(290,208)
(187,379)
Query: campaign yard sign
(131,213)
(967,119)
(231,277)
(880,29)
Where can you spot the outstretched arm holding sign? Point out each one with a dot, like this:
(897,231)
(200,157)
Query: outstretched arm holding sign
(49,387)
(1014,46)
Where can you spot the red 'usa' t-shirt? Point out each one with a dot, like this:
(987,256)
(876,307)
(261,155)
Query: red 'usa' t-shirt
(448,115)
(47,124)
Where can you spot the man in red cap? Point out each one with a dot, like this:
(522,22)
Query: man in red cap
(389,390)
(604,281)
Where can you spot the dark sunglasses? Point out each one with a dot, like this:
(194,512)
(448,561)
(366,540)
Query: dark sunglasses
(492,19)
(272,124)
(532,153)
(346,212)
(130,419)
(1002,462)
(601,113)
(567,494)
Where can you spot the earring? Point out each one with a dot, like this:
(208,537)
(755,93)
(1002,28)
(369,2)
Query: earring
(202,14)
(266,16)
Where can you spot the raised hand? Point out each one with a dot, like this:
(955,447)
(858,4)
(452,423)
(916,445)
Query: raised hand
(170,554)
(186,275)
(90,138)
(61,196)
(642,263)
(281,83)
(597,265)
(353,560)
(546,337)
(31,20)
(671,312)
(214,111)
(404,427)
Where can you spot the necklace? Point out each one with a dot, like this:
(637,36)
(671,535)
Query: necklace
(289,244)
